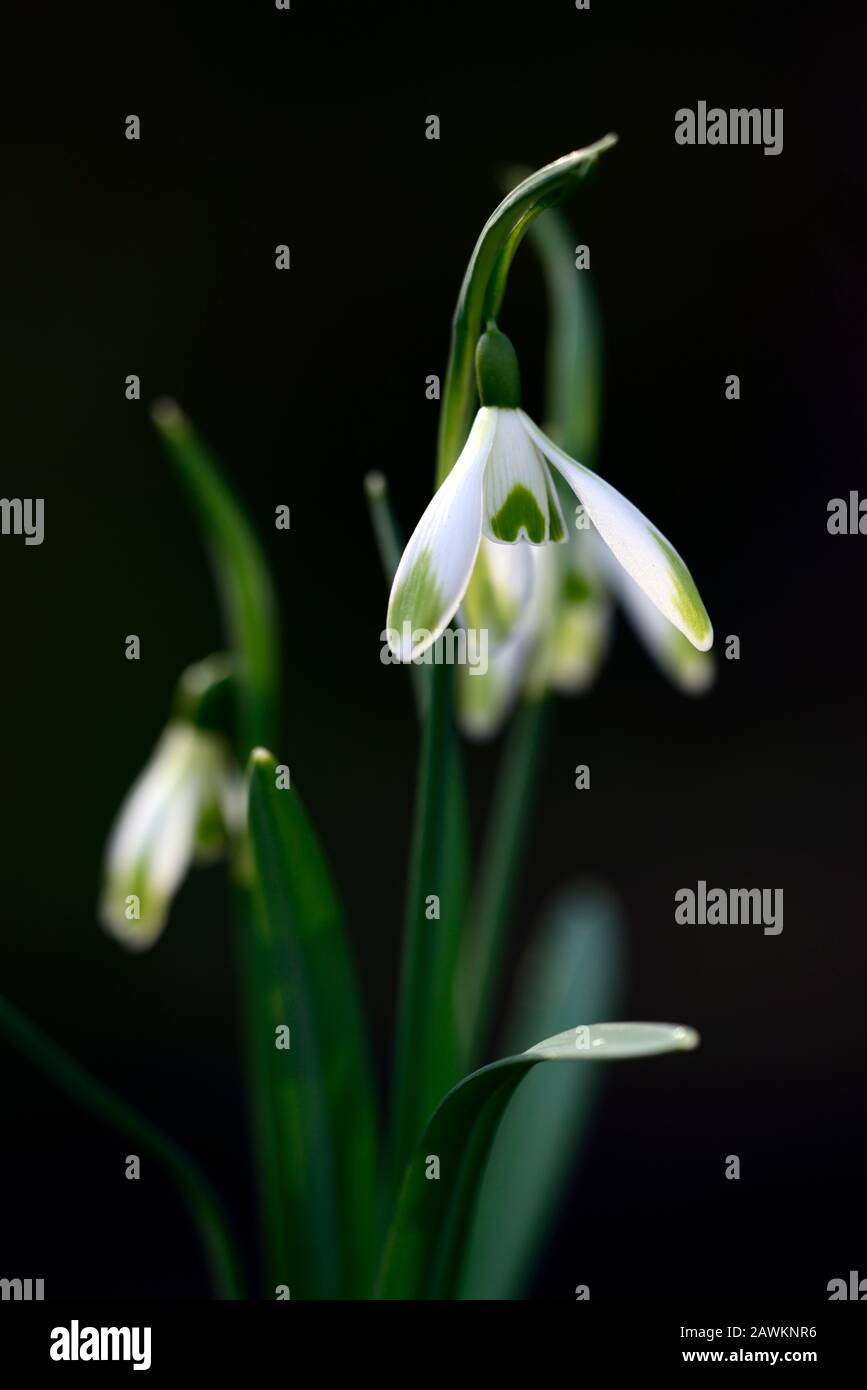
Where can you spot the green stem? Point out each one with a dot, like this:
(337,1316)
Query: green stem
(484,285)
(426,1027)
(426,1059)
(501,864)
(204,1205)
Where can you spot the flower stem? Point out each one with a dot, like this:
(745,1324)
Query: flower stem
(428,1056)
(484,284)
(202,1201)
(500,868)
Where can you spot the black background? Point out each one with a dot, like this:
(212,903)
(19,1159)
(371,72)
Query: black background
(157,257)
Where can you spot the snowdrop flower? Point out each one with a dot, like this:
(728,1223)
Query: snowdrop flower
(501,489)
(559,639)
(183,805)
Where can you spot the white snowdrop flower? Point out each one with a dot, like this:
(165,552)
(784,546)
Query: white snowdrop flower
(180,808)
(501,489)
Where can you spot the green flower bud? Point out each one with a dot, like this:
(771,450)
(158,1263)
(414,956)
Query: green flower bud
(497,371)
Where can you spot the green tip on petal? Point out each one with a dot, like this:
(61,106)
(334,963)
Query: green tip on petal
(687,600)
(497,372)
(132,912)
(417,601)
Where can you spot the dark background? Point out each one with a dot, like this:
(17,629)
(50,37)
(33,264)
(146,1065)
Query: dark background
(157,258)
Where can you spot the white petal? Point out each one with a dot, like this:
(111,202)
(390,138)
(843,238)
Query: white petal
(139,817)
(641,549)
(436,565)
(152,844)
(485,698)
(580,632)
(499,590)
(574,619)
(690,670)
(520,496)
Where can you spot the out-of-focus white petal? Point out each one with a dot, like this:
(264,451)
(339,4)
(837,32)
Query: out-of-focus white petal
(574,619)
(499,590)
(485,701)
(154,837)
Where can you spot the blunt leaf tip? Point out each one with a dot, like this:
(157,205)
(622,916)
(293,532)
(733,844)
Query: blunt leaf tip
(375,485)
(168,416)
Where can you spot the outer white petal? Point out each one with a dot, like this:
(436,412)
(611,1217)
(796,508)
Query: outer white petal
(152,844)
(520,496)
(436,565)
(692,671)
(635,542)
(138,820)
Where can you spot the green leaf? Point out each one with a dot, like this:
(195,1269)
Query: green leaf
(324,1078)
(430,1225)
(242,576)
(204,1205)
(485,282)
(572,971)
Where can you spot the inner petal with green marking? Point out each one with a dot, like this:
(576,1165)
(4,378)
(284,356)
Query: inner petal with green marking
(520,499)
(519,514)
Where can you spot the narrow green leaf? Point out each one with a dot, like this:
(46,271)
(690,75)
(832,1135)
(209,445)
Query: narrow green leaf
(324,1078)
(242,576)
(572,971)
(485,281)
(430,1225)
(204,1205)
